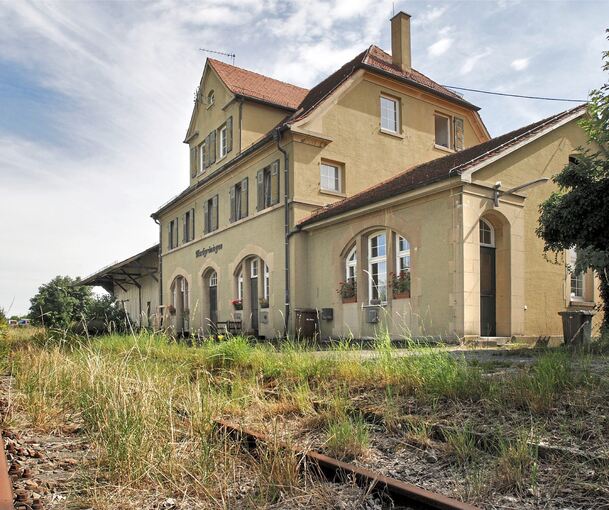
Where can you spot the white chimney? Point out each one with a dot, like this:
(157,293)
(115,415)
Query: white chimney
(400,40)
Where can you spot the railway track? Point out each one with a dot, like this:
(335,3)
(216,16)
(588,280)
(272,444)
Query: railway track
(6,485)
(402,494)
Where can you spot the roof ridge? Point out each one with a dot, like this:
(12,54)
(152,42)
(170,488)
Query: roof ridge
(215,61)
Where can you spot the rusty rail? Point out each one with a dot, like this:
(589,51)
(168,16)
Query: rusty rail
(402,493)
(6,485)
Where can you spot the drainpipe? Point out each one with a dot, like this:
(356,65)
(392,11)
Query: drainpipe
(160,266)
(286,218)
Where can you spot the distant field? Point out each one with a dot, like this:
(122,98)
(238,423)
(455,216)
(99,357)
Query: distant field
(505,428)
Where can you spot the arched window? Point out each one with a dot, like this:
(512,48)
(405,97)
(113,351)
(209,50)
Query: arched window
(377,267)
(213,279)
(210,98)
(402,262)
(351,265)
(487,234)
(179,291)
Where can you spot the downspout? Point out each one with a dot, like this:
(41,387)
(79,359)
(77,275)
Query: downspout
(286,220)
(160,268)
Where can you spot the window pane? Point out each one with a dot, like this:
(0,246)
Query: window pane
(442,131)
(389,119)
(329,177)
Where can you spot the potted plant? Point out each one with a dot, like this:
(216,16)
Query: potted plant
(171,309)
(400,284)
(348,291)
(264,302)
(237,303)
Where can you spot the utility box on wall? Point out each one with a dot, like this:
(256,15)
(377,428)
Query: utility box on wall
(327,314)
(372,315)
(264,317)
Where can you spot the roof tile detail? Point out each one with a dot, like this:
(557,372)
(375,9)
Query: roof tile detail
(253,85)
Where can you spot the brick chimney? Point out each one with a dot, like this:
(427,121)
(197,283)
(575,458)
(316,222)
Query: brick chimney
(400,40)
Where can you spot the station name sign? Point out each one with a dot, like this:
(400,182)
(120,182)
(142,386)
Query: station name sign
(204,252)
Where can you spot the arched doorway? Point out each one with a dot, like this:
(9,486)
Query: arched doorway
(180,300)
(210,308)
(488,280)
(254,299)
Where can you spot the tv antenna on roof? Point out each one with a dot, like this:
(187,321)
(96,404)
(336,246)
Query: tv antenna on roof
(231,55)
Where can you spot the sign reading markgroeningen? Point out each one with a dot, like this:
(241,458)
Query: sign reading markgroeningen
(210,249)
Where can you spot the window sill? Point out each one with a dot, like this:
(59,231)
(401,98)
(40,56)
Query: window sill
(581,303)
(332,193)
(442,148)
(391,133)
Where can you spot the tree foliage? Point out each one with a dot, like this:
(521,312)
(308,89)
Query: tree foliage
(63,303)
(577,215)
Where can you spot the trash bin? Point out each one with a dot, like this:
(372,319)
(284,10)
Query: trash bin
(307,323)
(577,326)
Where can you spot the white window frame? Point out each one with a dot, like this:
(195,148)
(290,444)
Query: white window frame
(378,260)
(396,114)
(254,268)
(240,285)
(577,281)
(402,254)
(351,264)
(213,279)
(200,155)
(266,290)
(336,179)
(211,98)
(484,222)
(223,142)
(446,118)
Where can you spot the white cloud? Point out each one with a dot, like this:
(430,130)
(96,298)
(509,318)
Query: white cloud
(470,62)
(440,47)
(520,64)
(429,16)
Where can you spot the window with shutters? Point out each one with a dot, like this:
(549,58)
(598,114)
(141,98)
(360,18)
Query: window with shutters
(210,212)
(223,142)
(238,200)
(267,184)
(189,226)
(442,130)
(172,234)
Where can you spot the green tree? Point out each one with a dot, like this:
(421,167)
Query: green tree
(577,215)
(60,303)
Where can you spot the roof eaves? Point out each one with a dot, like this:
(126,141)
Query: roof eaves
(90,280)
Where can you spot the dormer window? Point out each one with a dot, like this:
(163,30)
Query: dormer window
(210,99)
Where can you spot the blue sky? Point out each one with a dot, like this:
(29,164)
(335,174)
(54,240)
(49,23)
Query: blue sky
(95,98)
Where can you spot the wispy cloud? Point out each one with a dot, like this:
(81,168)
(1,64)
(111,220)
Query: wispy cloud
(440,47)
(470,62)
(520,64)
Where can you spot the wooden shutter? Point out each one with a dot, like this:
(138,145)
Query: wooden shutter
(244,195)
(214,207)
(192,223)
(184,228)
(212,147)
(229,134)
(205,148)
(231,194)
(459,141)
(275,183)
(177,233)
(260,190)
(206,216)
(193,161)
(169,236)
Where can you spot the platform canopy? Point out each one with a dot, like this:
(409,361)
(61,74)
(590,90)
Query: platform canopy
(126,272)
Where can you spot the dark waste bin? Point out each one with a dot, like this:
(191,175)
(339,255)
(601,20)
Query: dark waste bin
(577,326)
(307,323)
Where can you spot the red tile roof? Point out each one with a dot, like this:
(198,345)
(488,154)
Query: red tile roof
(256,86)
(438,169)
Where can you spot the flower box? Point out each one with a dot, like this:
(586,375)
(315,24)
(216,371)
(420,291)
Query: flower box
(401,295)
(237,303)
(350,299)
(264,302)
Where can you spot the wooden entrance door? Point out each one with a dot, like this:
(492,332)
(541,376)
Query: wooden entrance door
(488,319)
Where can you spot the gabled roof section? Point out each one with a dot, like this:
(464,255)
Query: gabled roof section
(439,169)
(249,84)
(375,60)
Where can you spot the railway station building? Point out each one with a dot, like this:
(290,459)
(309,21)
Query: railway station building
(374,201)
